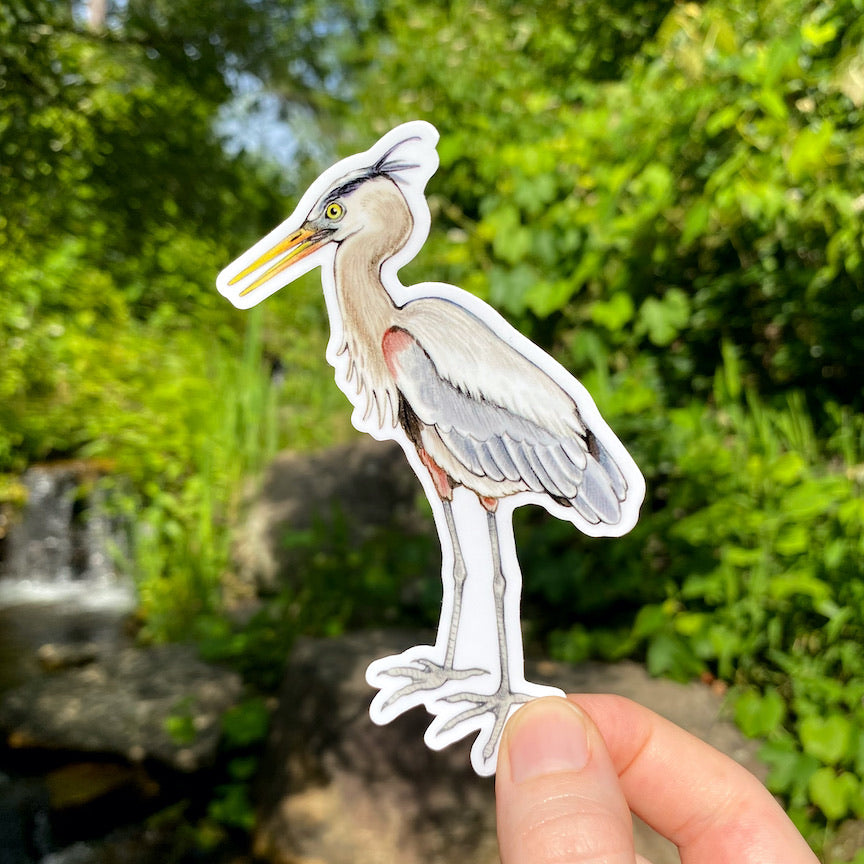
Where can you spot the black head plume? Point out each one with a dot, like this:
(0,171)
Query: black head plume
(381,168)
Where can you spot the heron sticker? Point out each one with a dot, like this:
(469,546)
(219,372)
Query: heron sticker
(488,421)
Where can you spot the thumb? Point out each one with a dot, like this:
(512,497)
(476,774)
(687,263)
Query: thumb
(558,796)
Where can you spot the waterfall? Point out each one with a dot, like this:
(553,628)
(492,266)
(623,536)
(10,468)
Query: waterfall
(60,548)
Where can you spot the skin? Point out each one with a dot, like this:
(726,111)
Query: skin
(571,771)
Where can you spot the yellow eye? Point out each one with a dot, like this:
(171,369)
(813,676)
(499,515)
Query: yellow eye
(334,210)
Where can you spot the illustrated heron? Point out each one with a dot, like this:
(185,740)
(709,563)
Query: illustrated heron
(487,420)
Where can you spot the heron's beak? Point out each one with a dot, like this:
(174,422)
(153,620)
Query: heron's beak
(295,247)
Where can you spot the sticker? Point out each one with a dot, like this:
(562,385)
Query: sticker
(488,421)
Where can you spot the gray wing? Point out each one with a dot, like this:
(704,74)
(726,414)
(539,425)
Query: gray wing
(491,440)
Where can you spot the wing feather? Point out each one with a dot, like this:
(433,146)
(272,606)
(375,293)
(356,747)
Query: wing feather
(565,467)
(490,467)
(465,449)
(575,450)
(534,457)
(499,455)
(564,479)
(518,457)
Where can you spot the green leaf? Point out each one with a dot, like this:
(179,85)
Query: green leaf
(544,298)
(232,806)
(663,319)
(799,582)
(818,34)
(833,793)
(829,739)
(722,119)
(613,313)
(649,620)
(773,104)
(790,770)
(511,241)
(793,540)
(246,723)
(787,468)
(670,655)
(181,728)
(759,715)
(810,150)
(510,288)
(695,222)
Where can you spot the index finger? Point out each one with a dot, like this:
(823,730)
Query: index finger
(711,807)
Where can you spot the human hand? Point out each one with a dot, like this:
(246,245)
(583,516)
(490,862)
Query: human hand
(571,771)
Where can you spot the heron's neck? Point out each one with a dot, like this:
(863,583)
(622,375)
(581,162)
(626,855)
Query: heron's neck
(367,312)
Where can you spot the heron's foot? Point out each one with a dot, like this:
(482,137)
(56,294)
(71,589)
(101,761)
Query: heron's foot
(425,675)
(500,704)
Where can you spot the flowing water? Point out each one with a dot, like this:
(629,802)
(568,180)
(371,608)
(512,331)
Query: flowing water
(58,585)
(58,580)
(60,548)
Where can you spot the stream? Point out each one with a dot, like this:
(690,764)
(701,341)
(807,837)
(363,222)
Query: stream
(64,613)
(58,587)
(58,583)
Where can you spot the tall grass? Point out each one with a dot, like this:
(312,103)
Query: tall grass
(182,528)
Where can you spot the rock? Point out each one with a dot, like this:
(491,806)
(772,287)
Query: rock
(300,488)
(25,832)
(337,789)
(80,784)
(53,657)
(163,839)
(128,703)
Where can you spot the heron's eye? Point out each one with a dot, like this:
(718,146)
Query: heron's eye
(334,211)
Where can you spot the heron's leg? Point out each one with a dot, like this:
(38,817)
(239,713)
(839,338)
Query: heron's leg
(459,575)
(500,703)
(427,675)
(499,586)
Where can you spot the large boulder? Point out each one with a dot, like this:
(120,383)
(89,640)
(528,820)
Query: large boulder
(368,482)
(336,789)
(160,703)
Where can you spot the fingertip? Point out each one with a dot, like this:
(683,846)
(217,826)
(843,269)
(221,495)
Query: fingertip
(546,736)
(558,794)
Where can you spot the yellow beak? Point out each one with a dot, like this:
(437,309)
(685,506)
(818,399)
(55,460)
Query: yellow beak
(295,247)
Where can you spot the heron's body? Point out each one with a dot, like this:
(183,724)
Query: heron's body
(482,409)
(476,408)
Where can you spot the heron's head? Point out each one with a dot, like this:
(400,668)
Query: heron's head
(369,204)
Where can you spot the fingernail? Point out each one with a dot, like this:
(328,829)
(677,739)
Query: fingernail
(546,737)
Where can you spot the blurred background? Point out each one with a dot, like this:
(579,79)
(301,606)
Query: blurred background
(668,197)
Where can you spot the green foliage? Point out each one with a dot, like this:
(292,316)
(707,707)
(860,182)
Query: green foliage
(338,582)
(180,724)
(186,449)
(759,714)
(245,724)
(244,729)
(232,807)
(765,588)
(389,576)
